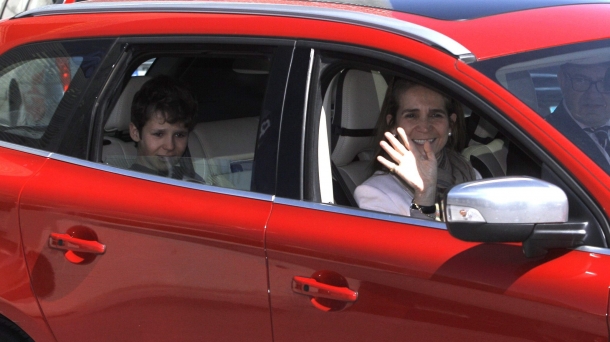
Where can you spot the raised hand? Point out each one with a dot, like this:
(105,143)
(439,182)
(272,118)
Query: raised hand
(418,168)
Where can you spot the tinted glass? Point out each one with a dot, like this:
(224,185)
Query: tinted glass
(40,85)
(569,86)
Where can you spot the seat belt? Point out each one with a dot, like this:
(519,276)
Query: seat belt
(344,189)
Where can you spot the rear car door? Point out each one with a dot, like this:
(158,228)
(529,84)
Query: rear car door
(337,272)
(33,82)
(116,254)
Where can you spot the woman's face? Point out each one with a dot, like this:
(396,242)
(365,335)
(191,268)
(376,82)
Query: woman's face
(160,144)
(423,116)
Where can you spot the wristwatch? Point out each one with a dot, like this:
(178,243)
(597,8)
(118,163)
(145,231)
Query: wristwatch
(424,209)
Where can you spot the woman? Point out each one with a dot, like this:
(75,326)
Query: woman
(423,132)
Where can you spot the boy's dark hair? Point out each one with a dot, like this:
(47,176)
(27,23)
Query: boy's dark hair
(162,94)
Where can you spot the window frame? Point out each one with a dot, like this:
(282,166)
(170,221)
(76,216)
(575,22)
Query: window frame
(264,169)
(584,205)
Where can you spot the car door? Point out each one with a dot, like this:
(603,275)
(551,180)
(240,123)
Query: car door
(115,254)
(32,81)
(337,272)
(18,300)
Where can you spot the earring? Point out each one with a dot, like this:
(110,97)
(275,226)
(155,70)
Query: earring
(449,133)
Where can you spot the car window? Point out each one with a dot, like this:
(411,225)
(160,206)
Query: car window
(40,85)
(349,126)
(569,86)
(229,87)
(343,134)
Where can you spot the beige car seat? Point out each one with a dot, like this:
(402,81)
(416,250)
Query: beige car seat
(117,152)
(359,96)
(490,158)
(223,151)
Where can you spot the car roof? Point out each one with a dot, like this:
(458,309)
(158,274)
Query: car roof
(504,29)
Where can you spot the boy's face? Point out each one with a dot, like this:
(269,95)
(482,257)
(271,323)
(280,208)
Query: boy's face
(160,144)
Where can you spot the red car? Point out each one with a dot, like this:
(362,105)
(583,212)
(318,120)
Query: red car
(267,243)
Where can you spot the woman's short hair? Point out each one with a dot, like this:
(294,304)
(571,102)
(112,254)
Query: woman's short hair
(163,95)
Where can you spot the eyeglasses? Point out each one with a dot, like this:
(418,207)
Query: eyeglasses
(582,84)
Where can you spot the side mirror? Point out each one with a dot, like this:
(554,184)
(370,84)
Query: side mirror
(513,209)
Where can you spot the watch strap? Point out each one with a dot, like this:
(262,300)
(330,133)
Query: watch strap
(424,209)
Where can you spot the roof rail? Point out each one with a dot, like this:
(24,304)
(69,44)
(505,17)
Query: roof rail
(388,24)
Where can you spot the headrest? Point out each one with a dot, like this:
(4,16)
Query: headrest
(522,86)
(359,110)
(479,130)
(489,159)
(211,139)
(120,117)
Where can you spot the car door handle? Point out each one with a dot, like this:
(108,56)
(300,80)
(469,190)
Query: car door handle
(69,243)
(312,287)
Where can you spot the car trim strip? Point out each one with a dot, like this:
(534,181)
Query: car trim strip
(360,213)
(592,249)
(385,23)
(25,149)
(312,53)
(161,179)
(139,175)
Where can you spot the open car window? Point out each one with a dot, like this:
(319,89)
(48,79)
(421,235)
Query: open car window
(229,84)
(343,139)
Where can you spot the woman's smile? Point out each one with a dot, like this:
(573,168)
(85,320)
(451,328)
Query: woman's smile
(423,141)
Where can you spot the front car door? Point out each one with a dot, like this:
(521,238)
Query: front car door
(339,272)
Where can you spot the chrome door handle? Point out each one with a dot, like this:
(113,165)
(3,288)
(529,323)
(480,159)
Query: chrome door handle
(68,243)
(311,287)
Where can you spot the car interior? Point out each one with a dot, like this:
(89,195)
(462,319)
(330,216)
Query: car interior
(230,85)
(352,103)
(350,110)
(229,89)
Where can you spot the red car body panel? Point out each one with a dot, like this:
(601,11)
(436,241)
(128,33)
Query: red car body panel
(518,31)
(17,301)
(125,24)
(422,284)
(178,261)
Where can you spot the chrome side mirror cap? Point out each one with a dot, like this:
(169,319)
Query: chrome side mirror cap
(512,209)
